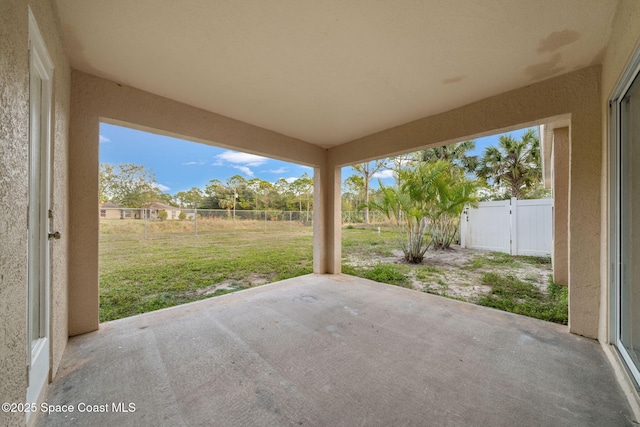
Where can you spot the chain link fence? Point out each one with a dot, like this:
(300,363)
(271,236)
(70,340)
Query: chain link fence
(140,223)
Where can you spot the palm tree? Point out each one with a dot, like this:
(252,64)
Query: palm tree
(455,153)
(514,164)
(448,191)
(426,205)
(411,222)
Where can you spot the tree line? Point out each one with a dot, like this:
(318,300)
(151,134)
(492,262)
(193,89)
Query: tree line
(513,168)
(134,186)
(510,169)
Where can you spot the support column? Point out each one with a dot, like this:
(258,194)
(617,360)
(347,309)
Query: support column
(327,212)
(84,225)
(560,160)
(585,255)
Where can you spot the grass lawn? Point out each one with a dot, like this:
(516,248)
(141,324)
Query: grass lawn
(138,275)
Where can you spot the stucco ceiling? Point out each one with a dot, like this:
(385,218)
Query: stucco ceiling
(328,72)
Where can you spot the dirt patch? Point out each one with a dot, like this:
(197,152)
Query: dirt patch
(212,289)
(253,279)
(458,272)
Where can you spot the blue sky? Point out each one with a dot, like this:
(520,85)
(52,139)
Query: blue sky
(180,165)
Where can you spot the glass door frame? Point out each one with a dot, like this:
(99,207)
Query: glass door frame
(615,217)
(38,349)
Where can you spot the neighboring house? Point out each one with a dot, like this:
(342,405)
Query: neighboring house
(152,209)
(110,210)
(397,86)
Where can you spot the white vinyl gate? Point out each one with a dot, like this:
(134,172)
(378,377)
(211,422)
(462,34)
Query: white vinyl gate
(517,227)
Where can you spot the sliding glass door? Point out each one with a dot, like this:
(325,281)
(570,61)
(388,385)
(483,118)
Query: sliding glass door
(625,248)
(630,223)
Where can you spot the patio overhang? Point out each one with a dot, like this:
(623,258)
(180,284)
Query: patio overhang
(576,98)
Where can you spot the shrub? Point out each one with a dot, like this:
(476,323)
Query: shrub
(162,215)
(182,216)
(425,206)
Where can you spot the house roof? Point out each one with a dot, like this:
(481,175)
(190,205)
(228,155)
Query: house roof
(109,205)
(332,71)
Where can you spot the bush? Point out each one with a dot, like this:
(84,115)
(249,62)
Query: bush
(162,215)
(182,216)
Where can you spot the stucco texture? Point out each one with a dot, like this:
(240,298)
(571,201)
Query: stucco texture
(14,138)
(59,176)
(561,145)
(14,150)
(623,42)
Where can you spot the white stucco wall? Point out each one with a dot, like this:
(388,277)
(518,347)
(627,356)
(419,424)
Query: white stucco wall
(14,145)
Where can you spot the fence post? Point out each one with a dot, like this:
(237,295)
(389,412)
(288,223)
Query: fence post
(265,221)
(144,215)
(463,227)
(195,221)
(513,250)
(290,225)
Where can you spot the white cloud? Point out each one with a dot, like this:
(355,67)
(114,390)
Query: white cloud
(290,179)
(193,163)
(385,173)
(104,139)
(245,170)
(279,170)
(162,187)
(305,167)
(241,158)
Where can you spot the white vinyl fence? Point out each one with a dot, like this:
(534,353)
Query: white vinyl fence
(517,227)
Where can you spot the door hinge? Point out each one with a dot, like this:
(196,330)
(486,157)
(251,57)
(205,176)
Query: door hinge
(28,373)
(50,213)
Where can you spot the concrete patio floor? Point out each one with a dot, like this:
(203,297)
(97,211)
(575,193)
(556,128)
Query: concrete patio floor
(335,351)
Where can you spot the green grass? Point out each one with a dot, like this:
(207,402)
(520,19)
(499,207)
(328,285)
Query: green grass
(534,260)
(363,242)
(392,274)
(174,266)
(491,260)
(137,276)
(427,272)
(511,294)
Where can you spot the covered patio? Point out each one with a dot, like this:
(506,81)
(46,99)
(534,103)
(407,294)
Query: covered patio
(324,85)
(335,350)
